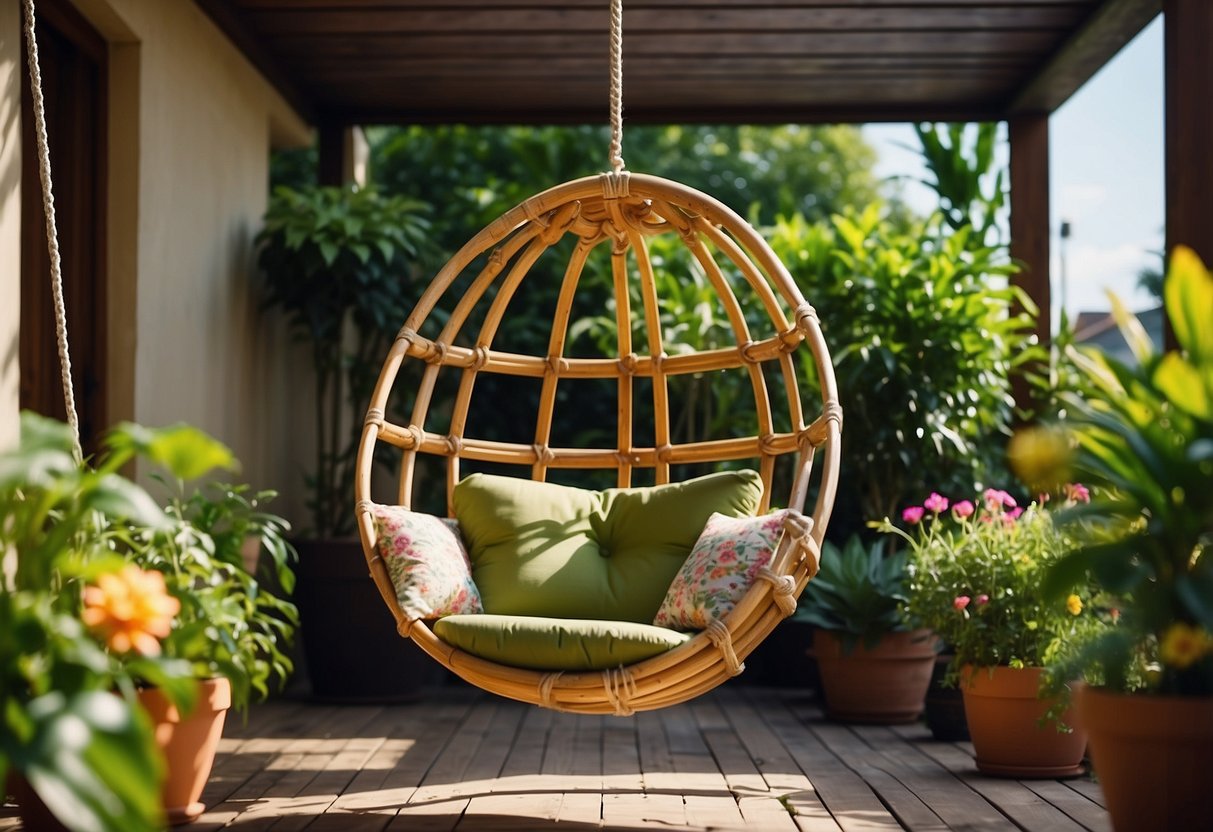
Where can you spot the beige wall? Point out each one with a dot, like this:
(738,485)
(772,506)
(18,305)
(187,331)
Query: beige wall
(191,123)
(10,217)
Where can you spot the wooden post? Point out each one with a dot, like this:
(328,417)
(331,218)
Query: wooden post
(1189,129)
(332,153)
(1029,138)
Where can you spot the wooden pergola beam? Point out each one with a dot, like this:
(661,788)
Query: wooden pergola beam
(1030,224)
(1112,25)
(1189,129)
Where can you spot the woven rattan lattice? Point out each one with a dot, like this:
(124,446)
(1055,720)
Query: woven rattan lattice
(622,212)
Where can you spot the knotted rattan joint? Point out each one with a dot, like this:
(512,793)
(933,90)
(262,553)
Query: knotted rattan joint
(480,357)
(556,365)
(768,444)
(405,627)
(543,454)
(718,633)
(665,453)
(453,445)
(627,458)
(806,318)
(658,363)
(435,352)
(628,364)
(833,413)
(615,184)
(783,589)
(746,351)
(418,437)
(363,507)
(546,685)
(620,688)
(408,335)
(374,416)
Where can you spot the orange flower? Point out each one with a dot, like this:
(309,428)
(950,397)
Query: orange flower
(130,609)
(1073,605)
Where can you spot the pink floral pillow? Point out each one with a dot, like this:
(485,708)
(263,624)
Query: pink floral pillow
(427,563)
(720,569)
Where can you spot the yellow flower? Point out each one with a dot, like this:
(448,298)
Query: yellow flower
(1182,644)
(130,609)
(1041,457)
(1073,605)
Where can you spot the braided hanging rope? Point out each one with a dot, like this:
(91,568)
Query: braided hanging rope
(616,149)
(52,232)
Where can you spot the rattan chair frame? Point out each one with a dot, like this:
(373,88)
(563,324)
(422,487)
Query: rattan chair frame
(620,210)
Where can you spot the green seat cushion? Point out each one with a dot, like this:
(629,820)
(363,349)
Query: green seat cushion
(550,550)
(556,643)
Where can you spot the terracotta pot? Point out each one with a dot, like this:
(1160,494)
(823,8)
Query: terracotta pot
(1004,713)
(885,685)
(1153,756)
(945,707)
(189,744)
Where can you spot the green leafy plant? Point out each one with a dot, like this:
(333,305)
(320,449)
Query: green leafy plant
(859,593)
(1143,436)
(338,263)
(977,569)
(924,336)
(228,624)
(971,186)
(70,725)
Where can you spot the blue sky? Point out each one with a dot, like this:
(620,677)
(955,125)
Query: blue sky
(1106,172)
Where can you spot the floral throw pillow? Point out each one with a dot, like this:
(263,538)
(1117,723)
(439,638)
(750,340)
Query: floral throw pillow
(427,563)
(720,569)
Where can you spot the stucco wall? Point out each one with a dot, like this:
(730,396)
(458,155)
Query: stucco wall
(191,123)
(10,218)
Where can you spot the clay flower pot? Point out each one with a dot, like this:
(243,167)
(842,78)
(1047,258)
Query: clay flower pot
(1153,756)
(884,685)
(1004,714)
(189,744)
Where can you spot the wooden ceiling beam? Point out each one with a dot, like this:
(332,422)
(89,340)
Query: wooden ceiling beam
(1112,25)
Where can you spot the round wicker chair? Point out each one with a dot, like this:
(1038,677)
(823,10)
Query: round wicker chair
(621,211)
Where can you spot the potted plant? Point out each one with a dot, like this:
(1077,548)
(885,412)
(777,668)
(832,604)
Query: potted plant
(1144,436)
(976,572)
(228,629)
(78,625)
(874,666)
(337,261)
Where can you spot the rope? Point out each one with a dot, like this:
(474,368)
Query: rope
(783,587)
(546,684)
(52,232)
(616,150)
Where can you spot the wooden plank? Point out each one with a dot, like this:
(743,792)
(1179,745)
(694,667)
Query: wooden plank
(281,787)
(690,45)
(947,796)
(1088,788)
(521,799)
(414,739)
(581,778)
(1019,803)
(1084,811)
(846,795)
(337,23)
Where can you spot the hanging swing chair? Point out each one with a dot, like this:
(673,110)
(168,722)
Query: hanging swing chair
(622,213)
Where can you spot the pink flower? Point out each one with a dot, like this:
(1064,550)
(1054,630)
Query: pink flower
(961,602)
(963,509)
(913,514)
(1043,497)
(983,599)
(936,503)
(1014,513)
(996,499)
(1076,492)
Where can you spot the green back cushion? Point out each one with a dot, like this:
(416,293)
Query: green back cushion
(541,549)
(556,643)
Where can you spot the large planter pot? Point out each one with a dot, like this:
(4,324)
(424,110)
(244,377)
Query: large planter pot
(1004,714)
(189,743)
(944,713)
(883,685)
(1153,756)
(351,648)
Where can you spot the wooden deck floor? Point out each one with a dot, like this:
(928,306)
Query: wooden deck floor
(742,758)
